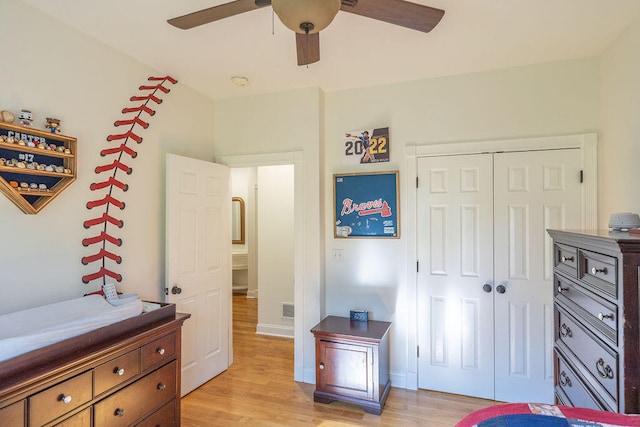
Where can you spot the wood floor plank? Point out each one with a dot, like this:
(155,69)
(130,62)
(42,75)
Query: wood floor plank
(258,390)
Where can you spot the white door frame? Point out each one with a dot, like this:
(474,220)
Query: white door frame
(587,143)
(295,158)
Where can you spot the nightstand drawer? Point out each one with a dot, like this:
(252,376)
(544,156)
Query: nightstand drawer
(81,419)
(599,271)
(132,402)
(56,401)
(158,351)
(116,371)
(599,361)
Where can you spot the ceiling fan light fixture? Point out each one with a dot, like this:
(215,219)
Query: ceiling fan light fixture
(295,13)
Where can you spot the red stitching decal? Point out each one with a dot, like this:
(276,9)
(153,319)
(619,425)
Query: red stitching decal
(111,183)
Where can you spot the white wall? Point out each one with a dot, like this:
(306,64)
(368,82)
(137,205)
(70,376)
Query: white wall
(548,99)
(55,71)
(619,150)
(275,248)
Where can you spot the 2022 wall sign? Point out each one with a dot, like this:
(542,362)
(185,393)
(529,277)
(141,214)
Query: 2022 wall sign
(366,146)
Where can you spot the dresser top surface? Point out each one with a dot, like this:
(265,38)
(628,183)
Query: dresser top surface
(335,325)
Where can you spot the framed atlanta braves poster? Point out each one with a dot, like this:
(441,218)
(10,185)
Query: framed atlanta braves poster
(366,205)
(366,146)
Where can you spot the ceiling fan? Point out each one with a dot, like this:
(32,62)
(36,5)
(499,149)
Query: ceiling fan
(308,17)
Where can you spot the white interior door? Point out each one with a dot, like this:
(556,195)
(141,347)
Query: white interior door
(455,315)
(534,191)
(460,325)
(198,263)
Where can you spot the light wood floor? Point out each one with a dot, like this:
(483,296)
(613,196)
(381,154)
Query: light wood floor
(258,390)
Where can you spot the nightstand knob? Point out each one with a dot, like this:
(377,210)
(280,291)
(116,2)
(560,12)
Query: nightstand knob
(160,351)
(565,331)
(119,412)
(321,366)
(161,386)
(119,371)
(65,399)
(567,258)
(564,379)
(595,271)
(562,289)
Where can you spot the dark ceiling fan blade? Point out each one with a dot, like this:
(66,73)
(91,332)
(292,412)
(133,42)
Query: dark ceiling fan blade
(216,13)
(398,12)
(308,48)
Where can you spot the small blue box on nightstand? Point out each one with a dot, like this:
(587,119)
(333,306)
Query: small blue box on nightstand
(359,315)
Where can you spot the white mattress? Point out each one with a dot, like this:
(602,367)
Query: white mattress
(28,330)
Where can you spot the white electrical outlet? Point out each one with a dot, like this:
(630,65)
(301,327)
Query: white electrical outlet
(338,255)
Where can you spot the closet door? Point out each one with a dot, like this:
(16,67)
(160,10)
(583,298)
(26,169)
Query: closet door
(534,191)
(455,249)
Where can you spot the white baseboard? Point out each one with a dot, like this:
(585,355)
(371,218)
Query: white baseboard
(275,330)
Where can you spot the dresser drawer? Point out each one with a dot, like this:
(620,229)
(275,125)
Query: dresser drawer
(599,271)
(599,361)
(158,351)
(566,259)
(163,417)
(603,315)
(116,371)
(572,387)
(81,419)
(53,402)
(13,415)
(132,402)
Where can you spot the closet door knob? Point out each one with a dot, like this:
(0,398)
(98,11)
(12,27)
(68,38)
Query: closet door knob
(501,289)
(487,288)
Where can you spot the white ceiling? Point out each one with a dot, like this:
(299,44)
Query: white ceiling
(474,35)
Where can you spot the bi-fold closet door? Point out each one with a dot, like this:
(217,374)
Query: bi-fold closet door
(485,297)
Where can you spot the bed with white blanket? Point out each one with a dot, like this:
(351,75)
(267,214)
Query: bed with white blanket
(28,330)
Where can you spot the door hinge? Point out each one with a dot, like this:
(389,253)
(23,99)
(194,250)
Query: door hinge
(417,266)
(581,176)
(166,291)
(418,351)
(417,186)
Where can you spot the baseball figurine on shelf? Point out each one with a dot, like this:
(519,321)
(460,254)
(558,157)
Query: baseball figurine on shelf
(53,125)
(25,118)
(6,116)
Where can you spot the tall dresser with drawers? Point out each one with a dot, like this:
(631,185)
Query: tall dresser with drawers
(596,320)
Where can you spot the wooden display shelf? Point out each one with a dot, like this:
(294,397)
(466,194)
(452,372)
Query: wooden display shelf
(31,201)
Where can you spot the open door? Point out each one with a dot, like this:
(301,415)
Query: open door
(198,264)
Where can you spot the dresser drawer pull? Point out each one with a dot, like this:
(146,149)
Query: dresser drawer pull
(65,399)
(160,351)
(604,371)
(565,331)
(567,258)
(119,412)
(119,371)
(161,386)
(562,289)
(595,271)
(603,316)
(565,381)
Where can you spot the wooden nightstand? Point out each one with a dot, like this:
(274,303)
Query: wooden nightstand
(352,362)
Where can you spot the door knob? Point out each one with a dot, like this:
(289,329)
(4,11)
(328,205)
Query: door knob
(501,289)
(487,288)
(176,290)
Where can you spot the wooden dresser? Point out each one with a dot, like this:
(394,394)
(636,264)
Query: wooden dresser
(597,330)
(122,375)
(352,362)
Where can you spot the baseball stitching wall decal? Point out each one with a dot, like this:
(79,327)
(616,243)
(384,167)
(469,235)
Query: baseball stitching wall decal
(109,181)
